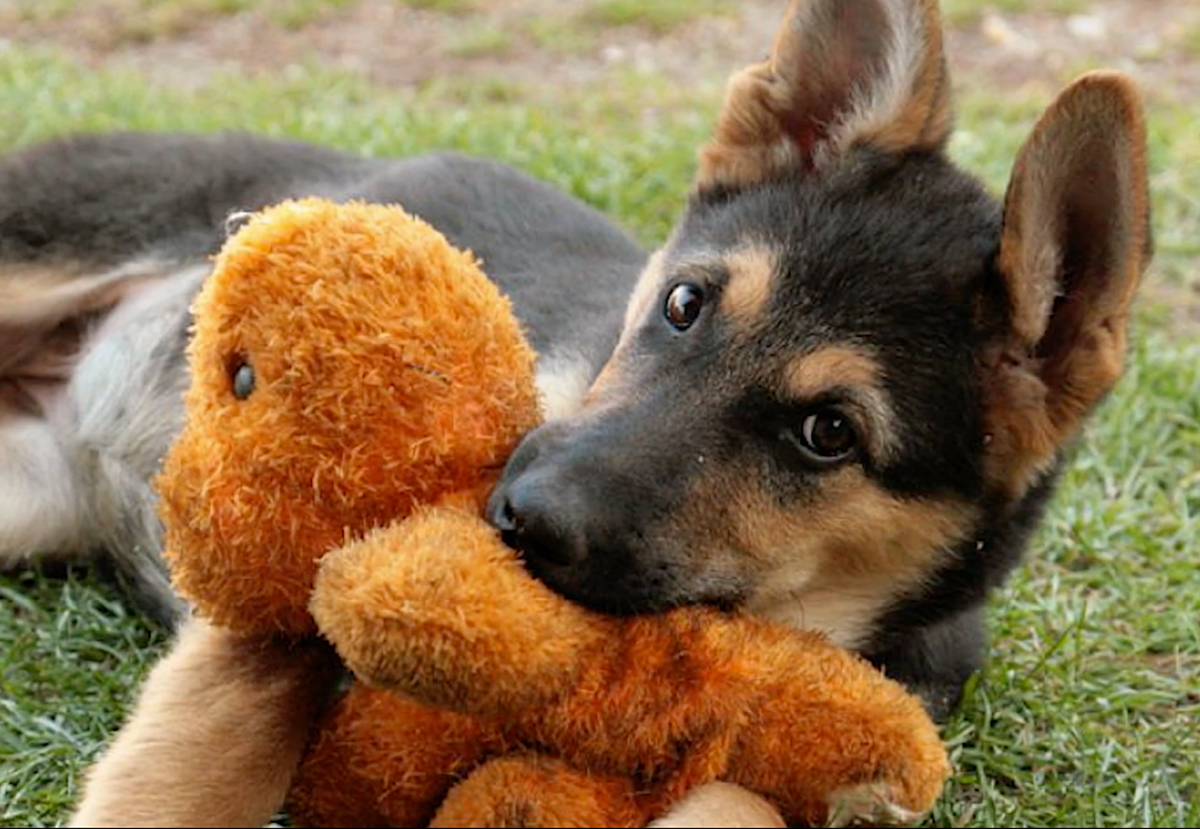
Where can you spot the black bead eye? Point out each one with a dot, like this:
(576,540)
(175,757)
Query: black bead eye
(683,306)
(243,380)
(826,435)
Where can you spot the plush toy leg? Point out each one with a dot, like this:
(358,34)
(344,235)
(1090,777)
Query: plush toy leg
(528,790)
(380,760)
(437,607)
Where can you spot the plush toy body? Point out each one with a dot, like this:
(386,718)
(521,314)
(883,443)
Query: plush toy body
(357,385)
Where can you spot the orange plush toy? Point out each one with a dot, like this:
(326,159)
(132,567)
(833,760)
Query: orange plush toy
(357,385)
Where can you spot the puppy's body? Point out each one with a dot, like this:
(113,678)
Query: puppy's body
(103,242)
(839,395)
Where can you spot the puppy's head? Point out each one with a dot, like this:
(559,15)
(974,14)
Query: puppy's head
(847,352)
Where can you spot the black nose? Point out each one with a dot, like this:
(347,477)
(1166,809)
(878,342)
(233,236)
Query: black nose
(535,517)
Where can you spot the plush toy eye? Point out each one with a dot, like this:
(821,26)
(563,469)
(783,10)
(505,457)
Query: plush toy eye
(243,380)
(683,306)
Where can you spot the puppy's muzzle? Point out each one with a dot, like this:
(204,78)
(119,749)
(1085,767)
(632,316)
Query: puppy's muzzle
(536,507)
(581,499)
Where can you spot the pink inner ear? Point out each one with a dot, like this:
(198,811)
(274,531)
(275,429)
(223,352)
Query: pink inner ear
(810,126)
(836,56)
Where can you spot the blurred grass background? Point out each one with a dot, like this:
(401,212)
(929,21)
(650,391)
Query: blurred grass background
(1087,712)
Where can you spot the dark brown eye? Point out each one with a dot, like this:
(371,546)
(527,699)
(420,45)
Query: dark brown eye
(683,306)
(243,380)
(827,435)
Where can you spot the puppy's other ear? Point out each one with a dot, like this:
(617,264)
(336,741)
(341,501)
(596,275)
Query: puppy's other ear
(843,73)
(1075,242)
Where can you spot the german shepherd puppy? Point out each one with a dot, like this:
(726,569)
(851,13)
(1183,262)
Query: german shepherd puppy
(839,394)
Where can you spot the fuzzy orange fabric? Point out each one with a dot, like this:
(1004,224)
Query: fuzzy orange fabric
(664,702)
(388,372)
(357,385)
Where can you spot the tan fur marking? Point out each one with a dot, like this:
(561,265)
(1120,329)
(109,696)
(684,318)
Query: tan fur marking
(752,271)
(749,143)
(646,290)
(257,703)
(645,293)
(833,562)
(830,561)
(813,374)
(47,311)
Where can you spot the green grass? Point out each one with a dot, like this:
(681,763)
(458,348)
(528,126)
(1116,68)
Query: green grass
(70,654)
(482,39)
(1189,41)
(141,21)
(296,14)
(560,35)
(970,12)
(1086,714)
(444,6)
(38,11)
(659,17)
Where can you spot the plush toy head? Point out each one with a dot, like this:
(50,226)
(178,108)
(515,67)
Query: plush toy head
(318,316)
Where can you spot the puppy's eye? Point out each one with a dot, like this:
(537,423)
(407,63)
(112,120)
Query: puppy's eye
(683,306)
(243,380)
(826,435)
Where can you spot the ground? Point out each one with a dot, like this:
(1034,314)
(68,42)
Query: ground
(569,45)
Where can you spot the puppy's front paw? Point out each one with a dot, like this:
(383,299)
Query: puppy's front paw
(720,804)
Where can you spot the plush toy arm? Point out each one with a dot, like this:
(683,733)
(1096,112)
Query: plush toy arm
(216,734)
(437,607)
(833,741)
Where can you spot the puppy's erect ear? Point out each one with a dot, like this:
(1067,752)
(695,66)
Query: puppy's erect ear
(843,73)
(1075,242)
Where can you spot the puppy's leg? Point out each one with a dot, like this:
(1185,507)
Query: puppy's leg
(92,375)
(41,504)
(124,406)
(720,804)
(215,737)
